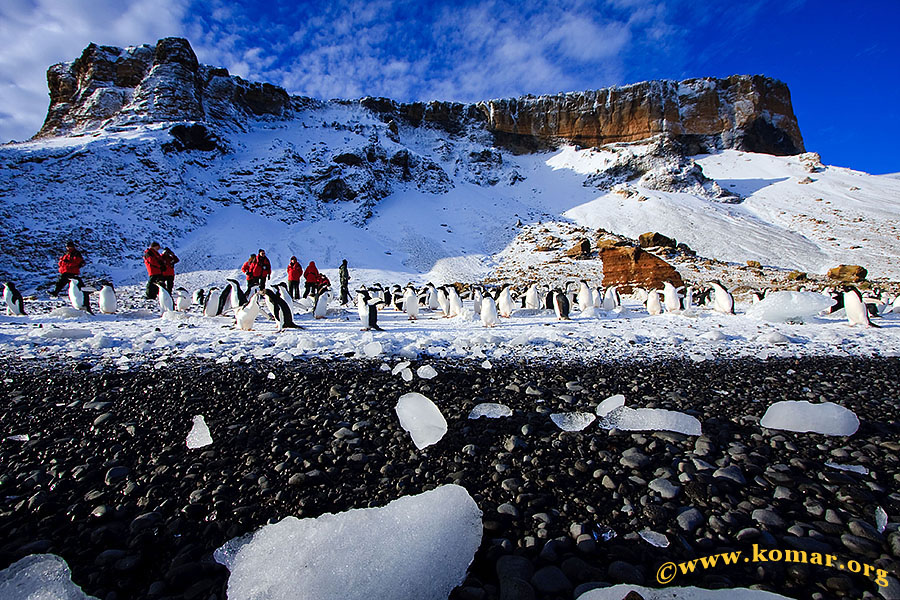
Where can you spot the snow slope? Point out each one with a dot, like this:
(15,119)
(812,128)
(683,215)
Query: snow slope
(445,210)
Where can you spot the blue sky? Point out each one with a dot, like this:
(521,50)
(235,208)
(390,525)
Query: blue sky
(840,59)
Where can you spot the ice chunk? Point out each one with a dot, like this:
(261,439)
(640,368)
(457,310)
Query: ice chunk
(406,374)
(651,419)
(487,365)
(421,418)
(573,421)
(491,410)
(372,349)
(426,372)
(199,435)
(826,418)
(416,547)
(40,577)
(22,437)
(781,307)
(773,337)
(67,334)
(881,519)
(617,592)
(398,368)
(654,538)
(610,404)
(852,468)
(66,312)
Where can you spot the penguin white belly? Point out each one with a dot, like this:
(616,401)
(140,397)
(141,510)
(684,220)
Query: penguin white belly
(477,299)
(455,304)
(107,300)
(76,296)
(855,309)
(166,304)
(653,305)
(670,296)
(212,303)
(585,298)
(489,315)
(505,304)
(246,315)
(183,302)
(322,305)
(411,306)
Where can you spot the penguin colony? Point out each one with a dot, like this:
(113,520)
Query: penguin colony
(491,305)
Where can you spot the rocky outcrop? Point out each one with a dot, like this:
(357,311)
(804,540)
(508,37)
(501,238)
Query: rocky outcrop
(652,238)
(629,267)
(848,273)
(109,88)
(752,113)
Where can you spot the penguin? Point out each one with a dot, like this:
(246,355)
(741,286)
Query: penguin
(199,298)
(723,301)
(570,292)
(397,296)
(532,297)
(280,310)
(640,294)
(245,315)
(211,303)
(598,297)
(488,312)
(477,299)
(15,306)
(756,296)
(166,304)
(703,296)
(443,301)
(237,294)
(224,301)
(454,302)
(367,306)
(182,300)
(107,299)
(548,300)
(857,313)
(505,303)
(585,296)
(323,297)
(895,307)
(671,297)
(80,296)
(411,303)
(432,297)
(611,299)
(653,305)
(688,299)
(285,295)
(561,305)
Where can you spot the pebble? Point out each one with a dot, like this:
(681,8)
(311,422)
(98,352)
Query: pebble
(665,488)
(690,519)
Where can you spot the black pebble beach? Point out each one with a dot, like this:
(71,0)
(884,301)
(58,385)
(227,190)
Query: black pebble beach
(106,481)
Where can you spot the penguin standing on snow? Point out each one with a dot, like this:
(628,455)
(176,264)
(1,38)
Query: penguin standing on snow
(653,305)
(323,297)
(211,304)
(245,315)
(477,298)
(107,299)
(367,306)
(199,298)
(561,305)
(723,301)
(224,301)
(15,306)
(505,302)
(411,303)
(454,302)
(285,295)
(585,296)
(532,297)
(80,296)
(489,315)
(611,299)
(182,300)
(671,297)
(280,310)
(857,313)
(166,304)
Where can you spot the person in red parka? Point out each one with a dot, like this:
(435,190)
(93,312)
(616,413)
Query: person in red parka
(70,265)
(322,282)
(312,277)
(294,271)
(248,269)
(155,267)
(263,268)
(168,259)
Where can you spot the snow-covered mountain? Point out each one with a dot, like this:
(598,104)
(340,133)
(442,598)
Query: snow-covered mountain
(144,143)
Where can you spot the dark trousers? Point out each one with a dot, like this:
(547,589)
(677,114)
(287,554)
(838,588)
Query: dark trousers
(152,290)
(294,288)
(168,282)
(345,294)
(63,281)
(310,287)
(262,282)
(251,282)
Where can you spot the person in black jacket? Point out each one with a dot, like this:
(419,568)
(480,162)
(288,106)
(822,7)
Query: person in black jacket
(344,276)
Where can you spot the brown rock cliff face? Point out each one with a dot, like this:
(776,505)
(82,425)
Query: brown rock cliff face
(108,87)
(629,267)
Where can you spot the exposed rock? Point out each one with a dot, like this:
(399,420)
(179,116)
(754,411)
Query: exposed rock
(796,276)
(848,273)
(652,238)
(630,267)
(752,113)
(581,249)
(754,264)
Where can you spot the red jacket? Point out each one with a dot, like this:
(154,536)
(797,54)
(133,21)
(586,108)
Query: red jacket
(248,268)
(262,267)
(168,260)
(312,273)
(154,262)
(322,280)
(70,263)
(294,271)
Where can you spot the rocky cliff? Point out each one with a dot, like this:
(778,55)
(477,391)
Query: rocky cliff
(109,88)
